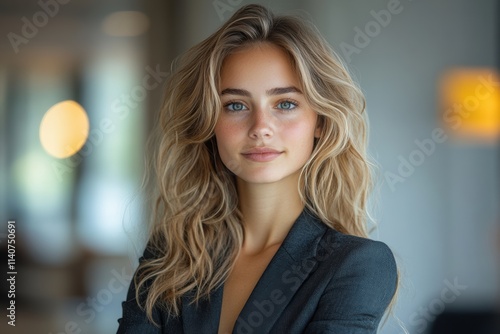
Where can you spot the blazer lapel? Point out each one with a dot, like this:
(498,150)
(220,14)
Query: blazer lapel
(283,276)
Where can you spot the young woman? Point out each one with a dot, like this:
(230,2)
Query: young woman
(263,178)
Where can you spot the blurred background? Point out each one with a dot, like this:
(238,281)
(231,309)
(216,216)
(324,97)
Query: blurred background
(90,73)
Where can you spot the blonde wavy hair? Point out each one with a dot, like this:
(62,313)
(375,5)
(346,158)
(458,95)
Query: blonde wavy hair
(196,231)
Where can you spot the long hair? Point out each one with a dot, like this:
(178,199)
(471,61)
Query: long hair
(197,229)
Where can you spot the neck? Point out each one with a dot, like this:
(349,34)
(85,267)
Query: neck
(269,211)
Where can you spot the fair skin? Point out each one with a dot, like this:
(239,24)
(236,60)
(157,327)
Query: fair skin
(265,134)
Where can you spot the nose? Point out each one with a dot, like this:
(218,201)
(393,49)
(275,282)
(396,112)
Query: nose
(262,126)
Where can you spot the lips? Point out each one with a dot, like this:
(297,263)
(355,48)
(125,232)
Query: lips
(261,154)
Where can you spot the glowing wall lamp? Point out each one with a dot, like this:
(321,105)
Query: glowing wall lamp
(470,103)
(64,129)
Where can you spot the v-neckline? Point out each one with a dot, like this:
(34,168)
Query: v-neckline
(269,263)
(279,253)
(299,244)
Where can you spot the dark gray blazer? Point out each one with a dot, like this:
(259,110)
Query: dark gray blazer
(319,281)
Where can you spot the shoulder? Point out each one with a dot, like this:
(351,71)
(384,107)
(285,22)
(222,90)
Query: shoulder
(359,279)
(340,251)
(359,264)
(348,248)
(353,253)
(344,247)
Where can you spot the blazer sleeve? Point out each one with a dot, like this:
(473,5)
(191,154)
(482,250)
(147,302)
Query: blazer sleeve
(134,319)
(359,291)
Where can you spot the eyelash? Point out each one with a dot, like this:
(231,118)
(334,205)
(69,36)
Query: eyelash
(295,104)
(291,101)
(226,106)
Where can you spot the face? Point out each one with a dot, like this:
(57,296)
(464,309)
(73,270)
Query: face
(265,132)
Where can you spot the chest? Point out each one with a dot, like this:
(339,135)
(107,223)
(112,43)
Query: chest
(238,287)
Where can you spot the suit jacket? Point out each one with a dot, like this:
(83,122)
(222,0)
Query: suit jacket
(319,281)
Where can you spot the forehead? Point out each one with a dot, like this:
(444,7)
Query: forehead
(262,64)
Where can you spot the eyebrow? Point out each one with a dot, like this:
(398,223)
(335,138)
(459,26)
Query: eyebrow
(272,91)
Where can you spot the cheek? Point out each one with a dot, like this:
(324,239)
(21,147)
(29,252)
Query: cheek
(301,133)
(226,135)
(223,132)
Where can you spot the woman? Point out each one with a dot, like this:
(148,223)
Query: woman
(262,174)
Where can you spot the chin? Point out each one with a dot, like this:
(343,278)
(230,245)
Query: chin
(265,176)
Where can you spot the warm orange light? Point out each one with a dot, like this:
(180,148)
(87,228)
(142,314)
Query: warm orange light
(470,103)
(64,129)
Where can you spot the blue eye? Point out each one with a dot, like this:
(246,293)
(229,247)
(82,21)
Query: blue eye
(235,106)
(287,105)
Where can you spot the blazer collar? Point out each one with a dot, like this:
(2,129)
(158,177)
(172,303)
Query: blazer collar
(284,274)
